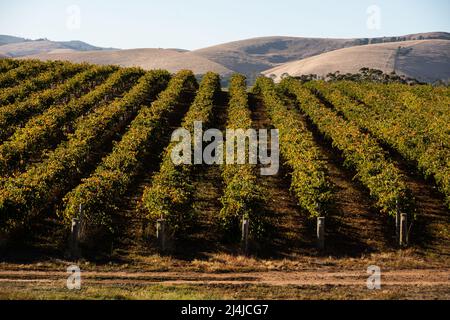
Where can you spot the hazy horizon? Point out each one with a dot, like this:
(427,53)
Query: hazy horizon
(197,24)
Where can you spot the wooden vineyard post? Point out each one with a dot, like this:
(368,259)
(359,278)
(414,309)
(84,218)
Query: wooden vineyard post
(321,233)
(75,234)
(245,231)
(403,241)
(401,227)
(161,235)
(397,221)
(74,249)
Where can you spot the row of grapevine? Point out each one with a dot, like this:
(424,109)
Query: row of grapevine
(430,115)
(46,130)
(425,120)
(24,71)
(360,150)
(9,64)
(310,181)
(171,193)
(394,129)
(14,115)
(43,183)
(443,91)
(59,72)
(112,178)
(430,100)
(242,197)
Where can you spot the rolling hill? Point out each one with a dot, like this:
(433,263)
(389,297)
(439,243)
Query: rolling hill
(19,47)
(424,60)
(169,59)
(250,57)
(5,39)
(253,56)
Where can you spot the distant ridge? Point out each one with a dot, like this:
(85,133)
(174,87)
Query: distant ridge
(19,47)
(424,60)
(253,56)
(4,39)
(250,57)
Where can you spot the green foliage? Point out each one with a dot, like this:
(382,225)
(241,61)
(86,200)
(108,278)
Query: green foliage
(360,150)
(364,75)
(413,120)
(310,182)
(58,118)
(14,115)
(57,73)
(242,196)
(112,178)
(47,129)
(171,193)
(25,194)
(14,76)
(9,64)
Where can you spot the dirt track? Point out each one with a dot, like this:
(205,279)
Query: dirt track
(307,278)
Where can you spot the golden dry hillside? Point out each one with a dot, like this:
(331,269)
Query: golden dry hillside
(169,59)
(425,60)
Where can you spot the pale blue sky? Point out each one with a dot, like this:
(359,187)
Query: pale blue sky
(193,24)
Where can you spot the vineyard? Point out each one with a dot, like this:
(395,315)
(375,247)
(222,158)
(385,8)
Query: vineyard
(86,166)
